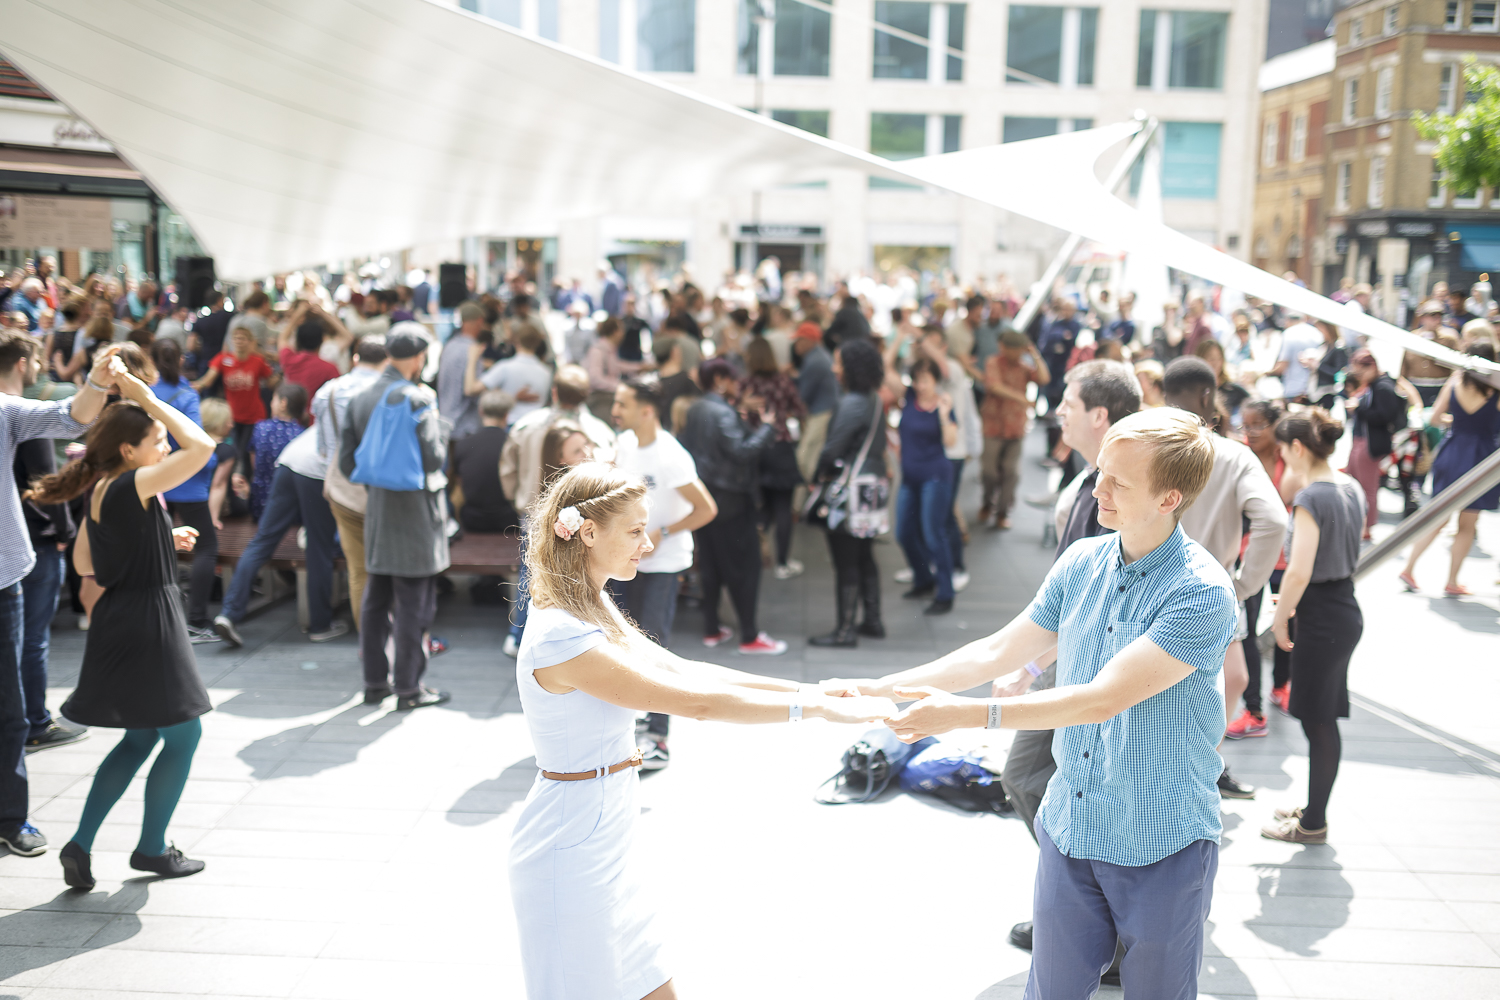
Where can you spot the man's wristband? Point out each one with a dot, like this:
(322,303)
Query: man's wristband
(1033,669)
(89,381)
(794,712)
(994,718)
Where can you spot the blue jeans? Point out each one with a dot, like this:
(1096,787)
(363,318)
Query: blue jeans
(523,592)
(1156,911)
(922,512)
(39,596)
(294,499)
(650,599)
(14,728)
(955,536)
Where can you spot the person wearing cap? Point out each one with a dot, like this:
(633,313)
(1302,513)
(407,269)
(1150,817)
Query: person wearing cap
(819,389)
(1425,374)
(456,405)
(405,544)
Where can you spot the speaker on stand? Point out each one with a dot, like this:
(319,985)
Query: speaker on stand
(194,278)
(453,285)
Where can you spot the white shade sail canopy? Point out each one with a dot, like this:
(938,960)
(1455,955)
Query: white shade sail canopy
(294,132)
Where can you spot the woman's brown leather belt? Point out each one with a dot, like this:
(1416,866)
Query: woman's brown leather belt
(634,760)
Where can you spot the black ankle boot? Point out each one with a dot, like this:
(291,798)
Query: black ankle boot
(77,870)
(869,589)
(844,636)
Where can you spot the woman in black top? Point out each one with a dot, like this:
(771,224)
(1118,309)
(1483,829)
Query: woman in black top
(138,672)
(860,371)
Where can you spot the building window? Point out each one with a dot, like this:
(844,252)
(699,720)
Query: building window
(1437,195)
(609,31)
(1190,159)
(1466,199)
(1019,129)
(1344,190)
(1447,77)
(1269,134)
(504,11)
(665,31)
(1181,49)
(1294,246)
(801,42)
(897,137)
(1356,30)
(952,133)
(1375,192)
(1383,84)
(1451,16)
(1482,16)
(815,122)
(1351,99)
(1051,45)
(1392,13)
(957,15)
(898,58)
(1299,139)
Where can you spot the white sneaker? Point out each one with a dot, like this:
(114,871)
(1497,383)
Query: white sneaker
(960,580)
(83,623)
(791,569)
(511,648)
(336,628)
(904,575)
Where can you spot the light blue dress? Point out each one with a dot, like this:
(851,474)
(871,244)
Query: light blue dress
(586,933)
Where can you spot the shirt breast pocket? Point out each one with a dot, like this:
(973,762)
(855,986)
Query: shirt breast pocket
(1121,634)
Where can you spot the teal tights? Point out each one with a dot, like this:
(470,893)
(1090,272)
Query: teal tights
(163,785)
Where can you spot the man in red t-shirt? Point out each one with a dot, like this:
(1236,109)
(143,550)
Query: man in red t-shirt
(1004,412)
(243,370)
(302,366)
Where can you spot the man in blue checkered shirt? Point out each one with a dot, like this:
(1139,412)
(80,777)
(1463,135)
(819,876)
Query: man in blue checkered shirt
(1129,827)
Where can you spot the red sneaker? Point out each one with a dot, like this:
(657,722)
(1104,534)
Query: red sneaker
(763,645)
(1248,724)
(724,634)
(1281,697)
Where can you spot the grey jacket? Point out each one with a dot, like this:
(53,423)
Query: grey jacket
(404,533)
(847,434)
(724,447)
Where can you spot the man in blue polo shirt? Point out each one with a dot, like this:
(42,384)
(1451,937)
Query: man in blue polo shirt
(1129,827)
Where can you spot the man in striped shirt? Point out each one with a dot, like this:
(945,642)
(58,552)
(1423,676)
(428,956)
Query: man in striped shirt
(1129,828)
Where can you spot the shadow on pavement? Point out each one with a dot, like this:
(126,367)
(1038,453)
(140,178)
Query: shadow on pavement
(1284,890)
(293,753)
(491,797)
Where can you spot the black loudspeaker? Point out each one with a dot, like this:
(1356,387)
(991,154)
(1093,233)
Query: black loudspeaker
(194,280)
(453,285)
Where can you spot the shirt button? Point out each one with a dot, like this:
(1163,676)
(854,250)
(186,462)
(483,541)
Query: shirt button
(1080,795)
(1110,629)
(1085,755)
(1122,588)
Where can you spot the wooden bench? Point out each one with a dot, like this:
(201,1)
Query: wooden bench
(477,554)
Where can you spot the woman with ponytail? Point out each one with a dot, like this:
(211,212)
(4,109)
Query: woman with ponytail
(138,670)
(584,672)
(1317,608)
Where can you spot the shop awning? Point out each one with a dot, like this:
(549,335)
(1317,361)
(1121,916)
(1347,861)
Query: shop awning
(295,132)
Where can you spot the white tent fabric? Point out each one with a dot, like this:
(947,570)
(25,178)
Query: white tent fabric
(294,132)
(1145,274)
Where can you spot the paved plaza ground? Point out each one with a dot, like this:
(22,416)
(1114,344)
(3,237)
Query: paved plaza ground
(355,852)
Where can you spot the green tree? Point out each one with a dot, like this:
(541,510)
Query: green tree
(1468,143)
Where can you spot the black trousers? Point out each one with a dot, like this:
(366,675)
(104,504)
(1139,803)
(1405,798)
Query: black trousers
(1281,663)
(853,558)
(194,514)
(777,516)
(728,550)
(398,608)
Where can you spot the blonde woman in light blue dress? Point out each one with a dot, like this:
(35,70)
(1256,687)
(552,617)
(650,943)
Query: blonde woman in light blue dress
(584,672)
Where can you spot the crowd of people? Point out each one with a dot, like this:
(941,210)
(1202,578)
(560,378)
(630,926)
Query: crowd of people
(663,446)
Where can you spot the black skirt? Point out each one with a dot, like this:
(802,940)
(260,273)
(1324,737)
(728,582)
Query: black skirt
(1329,625)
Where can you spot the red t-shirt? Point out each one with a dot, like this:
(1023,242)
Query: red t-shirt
(241,378)
(307,370)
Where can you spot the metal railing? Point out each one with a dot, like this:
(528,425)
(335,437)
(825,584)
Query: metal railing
(1473,484)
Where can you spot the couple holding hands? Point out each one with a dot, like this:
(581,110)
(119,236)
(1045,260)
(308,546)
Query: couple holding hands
(1138,621)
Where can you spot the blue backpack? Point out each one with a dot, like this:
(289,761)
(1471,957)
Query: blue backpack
(389,455)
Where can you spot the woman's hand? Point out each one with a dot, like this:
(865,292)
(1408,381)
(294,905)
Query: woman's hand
(1012,684)
(945,404)
(103,372)
(184,538)
(1280,628)
(128,385)
(860,708)
(933,712)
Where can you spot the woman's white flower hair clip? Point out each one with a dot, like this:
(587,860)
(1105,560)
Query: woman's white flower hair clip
(568,522)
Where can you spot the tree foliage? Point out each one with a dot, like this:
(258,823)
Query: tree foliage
(1468,142)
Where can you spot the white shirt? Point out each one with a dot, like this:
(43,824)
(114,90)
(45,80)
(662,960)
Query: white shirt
(301,455)
(1295,339)
(523,371)
(666,466)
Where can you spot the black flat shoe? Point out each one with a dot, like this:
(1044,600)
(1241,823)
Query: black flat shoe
(77,871)
(1020,935)
(873,630)
(424,698)
(917,592)
(374,696)
(938,608)
(169,865)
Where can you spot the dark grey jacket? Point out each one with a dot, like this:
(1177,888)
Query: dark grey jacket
(404,533)
(847,432)
(725,449)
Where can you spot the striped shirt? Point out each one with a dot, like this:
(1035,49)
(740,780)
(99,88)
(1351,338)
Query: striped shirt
(1142,785)
(23,420)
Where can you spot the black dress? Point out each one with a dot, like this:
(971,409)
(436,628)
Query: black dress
(138,669)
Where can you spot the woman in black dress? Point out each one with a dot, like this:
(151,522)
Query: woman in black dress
(138,673)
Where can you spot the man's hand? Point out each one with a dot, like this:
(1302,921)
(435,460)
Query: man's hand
(102,373)
(843,688)
(1012,684)
(854,710)
(934,712)
(184,538)
(527,394)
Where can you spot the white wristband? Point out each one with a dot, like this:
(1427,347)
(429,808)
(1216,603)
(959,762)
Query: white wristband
(994,720)
(89,381)
(794,712)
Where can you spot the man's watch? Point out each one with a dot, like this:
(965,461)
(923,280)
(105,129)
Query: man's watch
(666,530)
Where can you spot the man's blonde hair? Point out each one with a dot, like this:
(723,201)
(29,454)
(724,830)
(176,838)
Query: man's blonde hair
(1182,450)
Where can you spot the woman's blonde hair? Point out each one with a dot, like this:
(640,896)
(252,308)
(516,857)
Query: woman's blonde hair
(559,569)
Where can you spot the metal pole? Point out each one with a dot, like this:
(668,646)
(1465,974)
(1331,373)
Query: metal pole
(1474,483)
(1043,289)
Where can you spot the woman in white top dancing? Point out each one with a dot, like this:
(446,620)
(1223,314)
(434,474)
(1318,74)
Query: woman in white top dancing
(584,671)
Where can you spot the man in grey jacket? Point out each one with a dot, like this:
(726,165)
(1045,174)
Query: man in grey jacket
(405,544)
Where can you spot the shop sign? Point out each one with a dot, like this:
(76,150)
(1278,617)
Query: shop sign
(1415,228)
(1341,244)
(30,221)
(1374,227)
(770,231)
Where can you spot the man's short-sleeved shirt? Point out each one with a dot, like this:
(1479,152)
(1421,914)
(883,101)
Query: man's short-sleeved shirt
(241,377)
(1294,340)
(666,467)
(1142,785)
